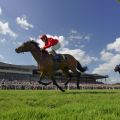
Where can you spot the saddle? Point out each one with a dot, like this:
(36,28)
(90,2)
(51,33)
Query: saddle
(59,57)
(56,57)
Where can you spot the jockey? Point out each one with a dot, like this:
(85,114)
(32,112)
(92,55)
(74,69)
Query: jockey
(50,43)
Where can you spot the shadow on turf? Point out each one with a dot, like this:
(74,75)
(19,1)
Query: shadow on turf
(90,92)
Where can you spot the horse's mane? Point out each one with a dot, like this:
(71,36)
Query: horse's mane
(37,45)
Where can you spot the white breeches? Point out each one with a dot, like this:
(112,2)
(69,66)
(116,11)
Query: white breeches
(56,47)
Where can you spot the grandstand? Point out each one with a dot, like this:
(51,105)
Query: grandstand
(21,77)
(16,72)
(24,72)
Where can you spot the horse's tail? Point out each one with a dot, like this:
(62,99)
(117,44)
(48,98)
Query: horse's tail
(80,68)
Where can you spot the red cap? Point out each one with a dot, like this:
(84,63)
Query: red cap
(43,37)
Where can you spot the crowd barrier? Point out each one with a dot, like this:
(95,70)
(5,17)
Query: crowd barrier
(53,87)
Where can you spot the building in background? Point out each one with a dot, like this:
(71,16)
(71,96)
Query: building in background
(24,72)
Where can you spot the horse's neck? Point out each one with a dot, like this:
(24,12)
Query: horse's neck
(38,56)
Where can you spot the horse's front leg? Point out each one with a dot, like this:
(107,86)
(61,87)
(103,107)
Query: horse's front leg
(55,83)
(41,77)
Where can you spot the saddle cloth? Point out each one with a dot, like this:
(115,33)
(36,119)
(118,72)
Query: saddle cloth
(59,57)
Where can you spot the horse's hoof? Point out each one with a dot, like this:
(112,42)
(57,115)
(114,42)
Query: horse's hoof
(44,83)
(62,90)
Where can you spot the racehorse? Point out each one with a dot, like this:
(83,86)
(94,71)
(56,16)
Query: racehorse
(47,66)
(117,68)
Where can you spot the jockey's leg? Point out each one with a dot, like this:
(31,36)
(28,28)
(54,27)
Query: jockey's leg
(57,57)
(55,47)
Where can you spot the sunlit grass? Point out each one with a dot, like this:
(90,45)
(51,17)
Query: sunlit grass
(55,105)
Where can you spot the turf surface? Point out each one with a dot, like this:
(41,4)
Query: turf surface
(55,105)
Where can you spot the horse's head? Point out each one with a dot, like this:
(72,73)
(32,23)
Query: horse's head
(27,46)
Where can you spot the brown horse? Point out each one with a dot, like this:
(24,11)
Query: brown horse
(47,66)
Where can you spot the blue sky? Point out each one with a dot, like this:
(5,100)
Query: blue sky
(88,29)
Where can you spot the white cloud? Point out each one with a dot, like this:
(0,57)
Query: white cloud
(73,31)
(106,56)
(0,11)
(79,54)
(22,21)
(87,37)
(110,56)
(1,57)
(5,29)
(75,35)
(115,45)
(2,40)
(108,66)
(17,43)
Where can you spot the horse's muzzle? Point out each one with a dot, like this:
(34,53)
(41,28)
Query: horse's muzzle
(16,50)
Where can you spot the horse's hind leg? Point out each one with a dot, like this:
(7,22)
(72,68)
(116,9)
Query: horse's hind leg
(41,77)
(68,75)
(78,77)
(78,80)
(55,83)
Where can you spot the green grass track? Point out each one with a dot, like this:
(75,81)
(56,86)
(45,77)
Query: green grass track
(55,105)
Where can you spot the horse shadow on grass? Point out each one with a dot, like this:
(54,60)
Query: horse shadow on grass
(90,92)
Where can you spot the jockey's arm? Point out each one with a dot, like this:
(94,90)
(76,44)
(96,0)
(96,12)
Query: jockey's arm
(47,46)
